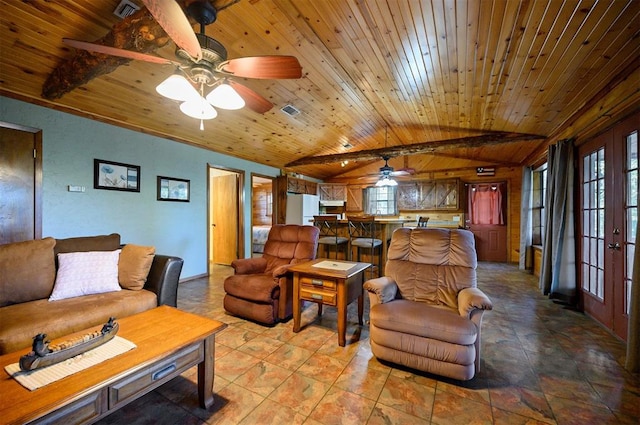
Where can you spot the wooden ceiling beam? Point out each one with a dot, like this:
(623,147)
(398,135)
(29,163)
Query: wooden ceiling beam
(419,148)
(487,161)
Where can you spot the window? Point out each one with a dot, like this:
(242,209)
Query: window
(631,213)
(380,200)
(539,200)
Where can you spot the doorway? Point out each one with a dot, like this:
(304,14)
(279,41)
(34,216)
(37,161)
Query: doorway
(20,183)
(486,217)
(608,173)
(225,218)
(262,211)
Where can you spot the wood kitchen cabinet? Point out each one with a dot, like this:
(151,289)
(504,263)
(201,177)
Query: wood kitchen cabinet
(408,196)
(288,184)
(354,198)
(296,185)
(428,195)
(333,192)
(447,194)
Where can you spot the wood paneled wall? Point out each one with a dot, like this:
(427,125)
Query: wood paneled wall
(262,210)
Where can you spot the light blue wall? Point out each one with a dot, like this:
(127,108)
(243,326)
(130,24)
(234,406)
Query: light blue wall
(70,144)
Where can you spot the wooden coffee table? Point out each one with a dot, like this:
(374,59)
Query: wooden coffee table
(337,287)
(169,341)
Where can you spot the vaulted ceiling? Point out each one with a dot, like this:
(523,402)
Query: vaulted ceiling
(377,74)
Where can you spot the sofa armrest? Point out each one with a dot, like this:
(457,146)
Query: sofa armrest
(470,299)
(249,265)
(381,290)
(163,279)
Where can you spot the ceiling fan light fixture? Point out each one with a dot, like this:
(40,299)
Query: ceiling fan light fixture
(177,87)
(386,181)
(225,97)
(199,109)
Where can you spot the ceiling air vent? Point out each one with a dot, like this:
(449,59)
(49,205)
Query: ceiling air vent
(290,110)
(126,8)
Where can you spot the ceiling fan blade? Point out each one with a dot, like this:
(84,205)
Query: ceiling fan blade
(262,67)
(252,100)
(114,51)
(172,19)
(403,172)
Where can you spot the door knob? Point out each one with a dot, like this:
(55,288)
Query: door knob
(615,246)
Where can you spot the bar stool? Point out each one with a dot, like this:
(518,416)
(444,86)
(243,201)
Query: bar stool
(422,221)
(329,235)
(363,235)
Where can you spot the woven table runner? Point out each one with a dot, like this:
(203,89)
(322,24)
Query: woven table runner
(37,378)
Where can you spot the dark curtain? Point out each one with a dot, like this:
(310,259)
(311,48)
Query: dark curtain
(558,272)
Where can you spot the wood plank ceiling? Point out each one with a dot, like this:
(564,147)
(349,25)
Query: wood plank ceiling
(424,71)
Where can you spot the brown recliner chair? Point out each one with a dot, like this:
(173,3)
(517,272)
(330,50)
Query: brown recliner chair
(261,289)
(426,313)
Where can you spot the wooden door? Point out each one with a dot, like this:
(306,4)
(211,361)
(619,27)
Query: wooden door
(225,218)
(20,184)
(487,219)
(608,173)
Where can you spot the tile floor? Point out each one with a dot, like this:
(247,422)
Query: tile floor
(541,364)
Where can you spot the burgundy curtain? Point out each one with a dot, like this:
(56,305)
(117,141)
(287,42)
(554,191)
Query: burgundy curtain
(485,203)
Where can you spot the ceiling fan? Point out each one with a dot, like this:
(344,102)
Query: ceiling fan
(203,63)
(387,171)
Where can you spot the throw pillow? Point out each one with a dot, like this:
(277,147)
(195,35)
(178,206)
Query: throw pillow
(134,265)
(86,273)
(27,271)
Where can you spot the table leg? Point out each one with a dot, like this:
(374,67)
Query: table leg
(296,302)
(206,372)
(342,314)
(360,309)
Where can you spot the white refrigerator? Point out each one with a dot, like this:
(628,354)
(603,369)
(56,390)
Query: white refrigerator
(302,208)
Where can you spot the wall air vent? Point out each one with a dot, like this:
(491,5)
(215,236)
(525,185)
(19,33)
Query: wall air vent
(290,110)
(126,8)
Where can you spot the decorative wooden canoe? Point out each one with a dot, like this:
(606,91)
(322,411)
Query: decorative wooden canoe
(42,354)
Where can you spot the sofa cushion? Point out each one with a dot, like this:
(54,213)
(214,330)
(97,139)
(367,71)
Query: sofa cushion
(21,322)
(86,273)
(423,320)
(28,271)
(88,243)
(134,265)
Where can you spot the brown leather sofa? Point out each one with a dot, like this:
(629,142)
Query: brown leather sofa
(27,275)
(426,313)
(261,288)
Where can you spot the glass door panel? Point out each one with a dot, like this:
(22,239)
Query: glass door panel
(593,222)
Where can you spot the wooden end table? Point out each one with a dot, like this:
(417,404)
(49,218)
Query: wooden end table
(168,342)
(338,284)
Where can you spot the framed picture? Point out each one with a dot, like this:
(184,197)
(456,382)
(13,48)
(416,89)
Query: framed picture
(172,189)
(115,176)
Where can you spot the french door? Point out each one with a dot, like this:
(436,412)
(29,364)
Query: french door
(609,214)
